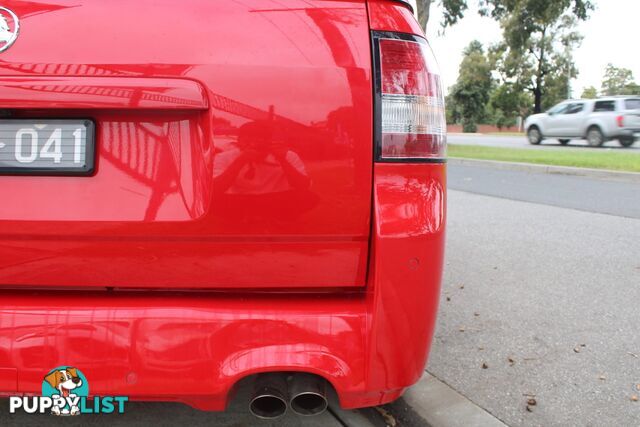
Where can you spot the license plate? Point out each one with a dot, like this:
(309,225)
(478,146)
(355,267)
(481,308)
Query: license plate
(46,147)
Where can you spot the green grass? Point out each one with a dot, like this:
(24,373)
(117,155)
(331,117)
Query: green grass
(618,160)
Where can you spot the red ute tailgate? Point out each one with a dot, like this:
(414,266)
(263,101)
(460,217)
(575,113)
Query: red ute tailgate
(230,153)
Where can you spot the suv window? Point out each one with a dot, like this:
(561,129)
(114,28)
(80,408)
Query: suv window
(574,108)
(558,109)
(604,106)
(632,104)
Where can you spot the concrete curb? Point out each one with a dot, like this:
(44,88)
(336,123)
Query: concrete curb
(633,177)
(441,406)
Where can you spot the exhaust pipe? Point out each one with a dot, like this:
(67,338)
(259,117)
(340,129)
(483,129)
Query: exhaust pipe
(269,400)
(308,395)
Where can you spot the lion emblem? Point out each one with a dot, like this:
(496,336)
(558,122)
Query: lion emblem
(5,31)
(8,36)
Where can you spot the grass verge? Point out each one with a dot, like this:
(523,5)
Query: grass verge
(618,160)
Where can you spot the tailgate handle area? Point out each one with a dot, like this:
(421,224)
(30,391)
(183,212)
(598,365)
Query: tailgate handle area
(113,93)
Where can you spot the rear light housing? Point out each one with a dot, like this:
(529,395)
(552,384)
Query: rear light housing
(620,120)
(410,124)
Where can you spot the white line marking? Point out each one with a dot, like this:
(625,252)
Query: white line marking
(2,145)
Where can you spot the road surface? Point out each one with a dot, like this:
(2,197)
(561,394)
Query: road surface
(142,414)
(582,193)
(540,299)
(521,142)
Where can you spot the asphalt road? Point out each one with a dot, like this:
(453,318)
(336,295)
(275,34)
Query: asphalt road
(586,194)
(540,299)
(521,142)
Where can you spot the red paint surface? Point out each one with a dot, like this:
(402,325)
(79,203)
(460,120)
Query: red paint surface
(389,15)
(98,93)
(269,187)
(166,209)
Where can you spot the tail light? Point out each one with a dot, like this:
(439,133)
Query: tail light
(410,120)
(620,120)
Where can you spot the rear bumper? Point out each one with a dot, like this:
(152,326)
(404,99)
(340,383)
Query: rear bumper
(369,344)
(630,133)
(189,348)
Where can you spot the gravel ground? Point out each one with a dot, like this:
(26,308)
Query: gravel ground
(541,302)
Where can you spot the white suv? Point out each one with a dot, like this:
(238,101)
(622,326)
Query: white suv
(596,120)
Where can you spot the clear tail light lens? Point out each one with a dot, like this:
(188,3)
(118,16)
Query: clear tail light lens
(411,122)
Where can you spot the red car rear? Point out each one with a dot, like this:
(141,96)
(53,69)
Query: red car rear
(209,191)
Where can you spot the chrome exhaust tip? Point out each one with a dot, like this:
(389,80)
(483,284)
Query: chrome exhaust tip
(309,395)
(269,400)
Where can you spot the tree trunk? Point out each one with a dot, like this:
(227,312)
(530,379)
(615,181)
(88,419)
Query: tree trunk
(423,13)
(537,90)
(537,99)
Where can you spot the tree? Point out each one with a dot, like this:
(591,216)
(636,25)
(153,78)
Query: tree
(619,81)
(424,7)
(508,102)
(453,114)
(589,93)
(453,10)
(531,13)
(537,36)
(539,51)
(633,89)
(470,94)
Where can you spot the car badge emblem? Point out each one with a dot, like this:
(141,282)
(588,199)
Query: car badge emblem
(9,27)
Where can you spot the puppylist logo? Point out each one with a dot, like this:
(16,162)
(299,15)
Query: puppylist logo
(65,391)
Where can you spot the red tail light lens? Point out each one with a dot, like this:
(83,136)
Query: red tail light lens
(410,122)
(620,120)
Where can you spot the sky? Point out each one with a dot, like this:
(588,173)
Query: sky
(610,35)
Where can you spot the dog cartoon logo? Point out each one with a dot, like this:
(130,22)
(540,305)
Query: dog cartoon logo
(66,385)
(9,28)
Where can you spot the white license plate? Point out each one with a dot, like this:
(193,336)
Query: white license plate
(47,147)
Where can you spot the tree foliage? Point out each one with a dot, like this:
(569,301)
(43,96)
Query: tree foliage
(506,103)
(589,93)
(471,93)
(619,81)
(538,51)
(453,11)
(538,38)
(530,14)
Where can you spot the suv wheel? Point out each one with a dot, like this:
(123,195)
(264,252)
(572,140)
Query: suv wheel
(595,138)
(564,141)
(534,135)
(627,141)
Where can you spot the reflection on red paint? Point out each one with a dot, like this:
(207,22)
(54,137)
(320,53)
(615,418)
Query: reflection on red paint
(258,177)
(391,15)
(198,149)
(410,205)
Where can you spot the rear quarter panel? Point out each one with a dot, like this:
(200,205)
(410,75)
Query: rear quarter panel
(388,15)
(605,121)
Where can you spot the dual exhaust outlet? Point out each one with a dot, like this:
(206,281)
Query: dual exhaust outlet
(305,394)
